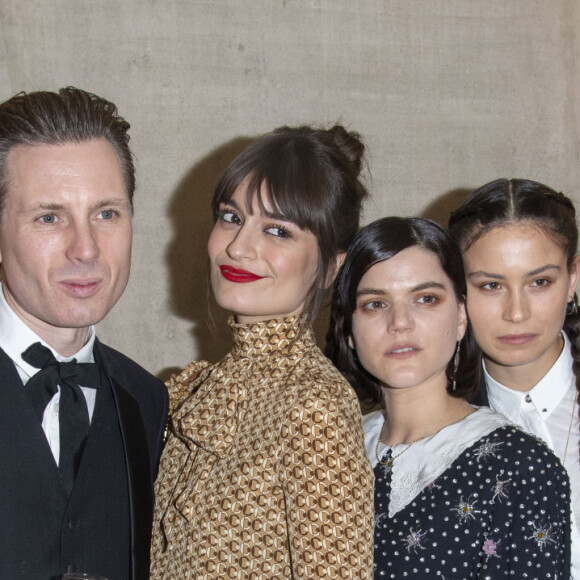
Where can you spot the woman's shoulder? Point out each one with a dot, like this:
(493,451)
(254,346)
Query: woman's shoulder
(314,380)
(182,384)
(518,439)
(520,451)
(317,375)
(488,424)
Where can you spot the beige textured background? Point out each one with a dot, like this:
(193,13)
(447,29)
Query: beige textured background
(448,94)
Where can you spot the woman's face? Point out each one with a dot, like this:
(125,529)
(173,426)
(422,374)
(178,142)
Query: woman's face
(407,320)
(262,267)
(518,284)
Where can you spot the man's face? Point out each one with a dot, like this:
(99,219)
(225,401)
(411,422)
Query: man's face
(65,234)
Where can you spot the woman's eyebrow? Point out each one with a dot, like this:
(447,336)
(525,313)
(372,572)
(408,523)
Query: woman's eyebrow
(484,274)
(369,291)
(540,270)
(232,203)
(276,215)
(428,285)
(418,288)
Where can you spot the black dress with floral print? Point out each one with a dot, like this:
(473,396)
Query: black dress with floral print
(501,510)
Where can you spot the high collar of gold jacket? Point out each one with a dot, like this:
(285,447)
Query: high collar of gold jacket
(219,395)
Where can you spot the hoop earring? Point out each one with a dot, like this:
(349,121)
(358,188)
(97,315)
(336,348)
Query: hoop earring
(572,307)
(455,366)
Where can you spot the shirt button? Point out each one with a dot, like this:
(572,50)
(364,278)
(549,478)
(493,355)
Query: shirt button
(528,399)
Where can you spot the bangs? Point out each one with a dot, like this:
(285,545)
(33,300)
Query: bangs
(308,177)
(280,193)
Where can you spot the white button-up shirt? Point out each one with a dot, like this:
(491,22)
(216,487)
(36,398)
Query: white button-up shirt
(15,338)
(550,411)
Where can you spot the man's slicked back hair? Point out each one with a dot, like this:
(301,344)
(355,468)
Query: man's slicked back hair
(68,116)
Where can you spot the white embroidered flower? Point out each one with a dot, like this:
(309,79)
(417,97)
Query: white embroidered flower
(486,449)
(466,509)
(542,534)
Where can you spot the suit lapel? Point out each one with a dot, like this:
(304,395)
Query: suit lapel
(138,467)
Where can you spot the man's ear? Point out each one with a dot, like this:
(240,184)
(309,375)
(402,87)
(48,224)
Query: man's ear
(332,272)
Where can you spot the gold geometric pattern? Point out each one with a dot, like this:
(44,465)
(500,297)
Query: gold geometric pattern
(264,474)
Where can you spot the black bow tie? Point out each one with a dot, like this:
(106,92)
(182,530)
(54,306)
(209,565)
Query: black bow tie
(73,412)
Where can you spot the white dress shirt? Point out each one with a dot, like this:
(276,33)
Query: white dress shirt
(15,338)
(550,411)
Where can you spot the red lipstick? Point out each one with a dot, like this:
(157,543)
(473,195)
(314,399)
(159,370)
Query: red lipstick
(237,275)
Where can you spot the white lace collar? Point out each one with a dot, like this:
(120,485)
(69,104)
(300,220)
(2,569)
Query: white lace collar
(427,459)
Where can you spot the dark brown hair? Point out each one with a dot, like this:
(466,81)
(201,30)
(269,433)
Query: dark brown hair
(69,116)
(521,201)
(312,178)
(516,201)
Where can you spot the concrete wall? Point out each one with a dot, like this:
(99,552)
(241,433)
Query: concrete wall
(449,94)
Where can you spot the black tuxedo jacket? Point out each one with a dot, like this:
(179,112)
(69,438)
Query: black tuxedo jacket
(41,530)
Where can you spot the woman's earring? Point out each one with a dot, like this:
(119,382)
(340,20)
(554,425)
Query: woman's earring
(456,365)
(571,307)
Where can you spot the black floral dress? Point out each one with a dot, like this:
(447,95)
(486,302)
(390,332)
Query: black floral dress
(501,509)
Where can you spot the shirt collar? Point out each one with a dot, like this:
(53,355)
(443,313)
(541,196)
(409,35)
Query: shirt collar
(544,396)
(16,337)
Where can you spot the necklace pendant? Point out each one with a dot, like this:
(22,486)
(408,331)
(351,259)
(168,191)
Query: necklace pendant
(390,463)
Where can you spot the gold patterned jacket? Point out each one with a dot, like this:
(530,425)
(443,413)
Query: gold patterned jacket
(264,474)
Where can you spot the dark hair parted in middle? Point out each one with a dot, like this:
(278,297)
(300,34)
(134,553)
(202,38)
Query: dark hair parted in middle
(311,177)
(505,202)
(377,242)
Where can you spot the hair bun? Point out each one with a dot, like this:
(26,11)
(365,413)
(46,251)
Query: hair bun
(350,144)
